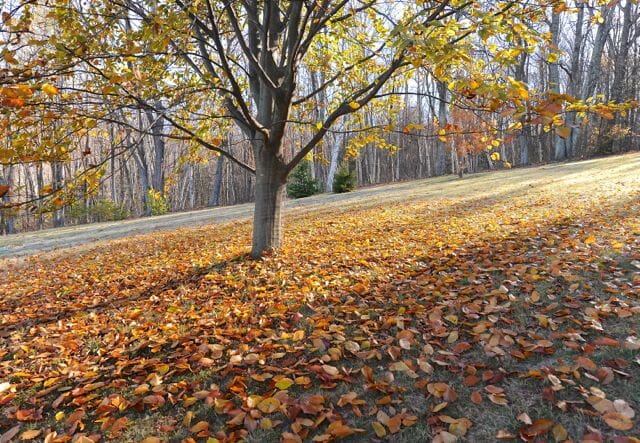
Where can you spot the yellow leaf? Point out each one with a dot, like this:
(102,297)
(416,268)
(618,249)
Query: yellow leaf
(354,105)
(269,405)
(379,429)
(59,415)
(254,400)
(284,383)
(452,319)
(590,239)
(49,89)
(319,125)
(186,421)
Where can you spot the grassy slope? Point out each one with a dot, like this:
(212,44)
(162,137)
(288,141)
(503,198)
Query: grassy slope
(522,284)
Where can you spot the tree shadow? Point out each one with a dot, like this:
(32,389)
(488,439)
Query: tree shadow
(191,277)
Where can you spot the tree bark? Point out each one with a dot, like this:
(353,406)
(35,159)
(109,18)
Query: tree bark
(217,183)
(559,146)
(442,121)
(575,77)
(57,172)
(619,74)
(271,180)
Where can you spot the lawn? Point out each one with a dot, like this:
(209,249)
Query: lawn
(499,306)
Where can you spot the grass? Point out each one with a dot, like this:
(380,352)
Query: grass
(510,277)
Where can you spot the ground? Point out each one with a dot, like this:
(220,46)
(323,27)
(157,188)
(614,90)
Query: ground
(499,306)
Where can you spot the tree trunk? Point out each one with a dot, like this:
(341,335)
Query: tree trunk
(333,164)
(559,148)
(270,185)
(7,221)
(442,122)
(619,74)
(214,200)
(57,172)
(575,78)
(156,121)
(593,74)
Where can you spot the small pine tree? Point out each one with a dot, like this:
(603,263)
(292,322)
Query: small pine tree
(345,179)
(301,183)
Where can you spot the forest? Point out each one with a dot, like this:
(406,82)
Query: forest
(417,220)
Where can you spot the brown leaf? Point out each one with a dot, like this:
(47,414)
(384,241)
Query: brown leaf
(538,427)
(559,433)
(618,421)
(199,427)
(340,430)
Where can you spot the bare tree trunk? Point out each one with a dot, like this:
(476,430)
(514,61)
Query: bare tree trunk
(523,139)
(575,77)
(271,181)
(217,183)
(57,178)
(333,163)
(7,218)
(559,146)
(620,67)
(156,122)
(442,121)
(595,68)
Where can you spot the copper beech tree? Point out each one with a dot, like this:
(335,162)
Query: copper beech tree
(196,64)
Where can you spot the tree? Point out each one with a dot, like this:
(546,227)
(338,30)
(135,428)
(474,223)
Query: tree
(301,182)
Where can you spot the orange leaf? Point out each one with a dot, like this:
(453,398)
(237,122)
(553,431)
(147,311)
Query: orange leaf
(394,423)
(199,427)
(30,434)
(563,131)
